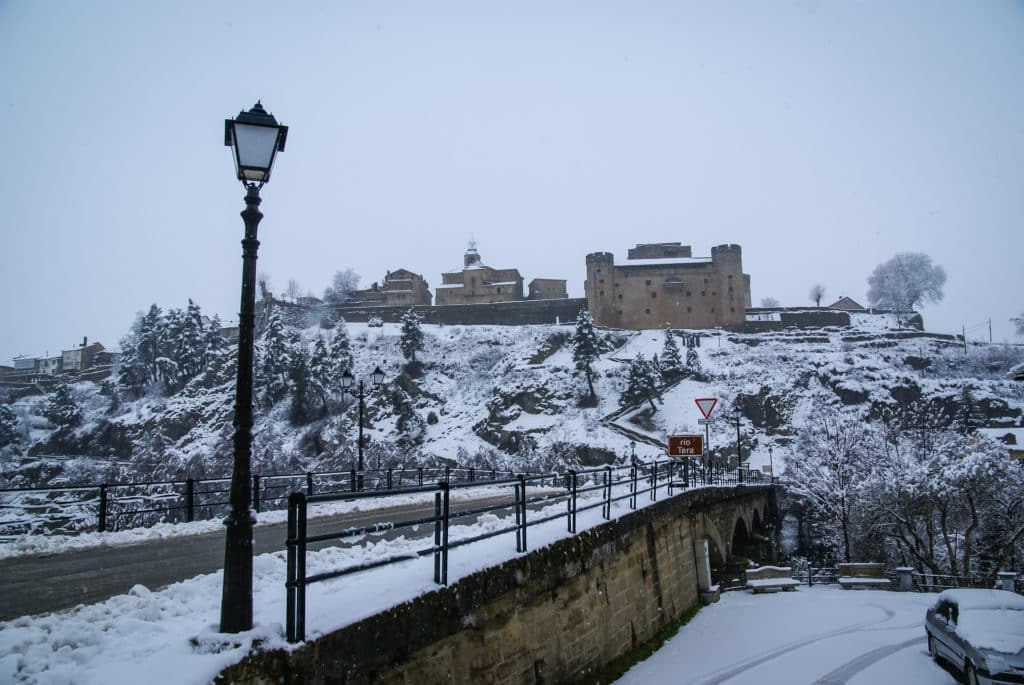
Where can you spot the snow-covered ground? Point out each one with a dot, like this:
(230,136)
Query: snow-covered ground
(812,635)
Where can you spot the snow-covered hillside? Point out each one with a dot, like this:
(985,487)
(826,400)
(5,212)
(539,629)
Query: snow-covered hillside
(509,397)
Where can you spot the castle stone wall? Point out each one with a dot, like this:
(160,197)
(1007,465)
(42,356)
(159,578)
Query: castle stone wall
(519,313)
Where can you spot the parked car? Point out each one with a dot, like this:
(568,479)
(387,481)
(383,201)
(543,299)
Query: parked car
(979,632)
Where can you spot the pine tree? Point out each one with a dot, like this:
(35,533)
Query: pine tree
(411,339)
(143,345)
(641,384)
(409,423)
(693,361)
(340,353)
(586,348)
(191,352)
(61,408)
(320,368)
(274,353)
(300,412)
(970,417)
(671,359)
(8,427)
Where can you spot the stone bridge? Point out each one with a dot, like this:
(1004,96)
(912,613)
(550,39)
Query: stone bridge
(567,612)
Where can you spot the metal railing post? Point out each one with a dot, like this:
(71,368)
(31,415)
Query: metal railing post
(632,486)
(437,536)
(300,624)
(522,504)
(419,474)
(447,474)
(472,474)
(103,508)
(519,520)
(654,482)
(389,478)
(190,500)
(352,479)
(606,507)
(256,493)
(446,511)
(289,585)
(572,502)
(309,485)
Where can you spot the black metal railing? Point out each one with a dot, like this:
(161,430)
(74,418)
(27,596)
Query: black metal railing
(529,500)
(106,507)
(937,582)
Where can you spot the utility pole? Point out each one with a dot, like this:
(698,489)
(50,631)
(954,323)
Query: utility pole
(963,332)
(990,330)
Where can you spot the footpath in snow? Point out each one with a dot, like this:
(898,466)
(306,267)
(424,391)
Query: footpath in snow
(820,635)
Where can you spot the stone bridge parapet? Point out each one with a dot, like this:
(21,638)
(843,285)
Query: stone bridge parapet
(559,613)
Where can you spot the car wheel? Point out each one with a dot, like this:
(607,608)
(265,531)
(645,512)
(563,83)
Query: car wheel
(932,649)
(970,675)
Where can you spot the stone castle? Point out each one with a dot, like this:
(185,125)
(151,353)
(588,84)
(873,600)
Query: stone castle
(661,285)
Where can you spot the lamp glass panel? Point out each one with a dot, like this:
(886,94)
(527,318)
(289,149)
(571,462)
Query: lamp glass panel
(255,145)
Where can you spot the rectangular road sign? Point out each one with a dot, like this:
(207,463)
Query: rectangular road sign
(705,422)
(685,445)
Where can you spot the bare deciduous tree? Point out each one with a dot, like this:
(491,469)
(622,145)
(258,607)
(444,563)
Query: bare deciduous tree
(817,292)
(769,302)
(906,281)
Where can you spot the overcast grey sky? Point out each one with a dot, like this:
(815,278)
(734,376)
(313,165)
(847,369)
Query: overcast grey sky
(821,136)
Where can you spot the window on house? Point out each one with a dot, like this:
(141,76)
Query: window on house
(647,282)
(647,311)
(601,281)
(730,277)
(703,293)
(714,293)
(732,309)
(620,296)
(705,280)
(689,310)
(600,293)
(654,295)
(688,293)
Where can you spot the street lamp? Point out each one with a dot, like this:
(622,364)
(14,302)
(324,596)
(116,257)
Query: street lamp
(771,467)
(256,138)
(377,377)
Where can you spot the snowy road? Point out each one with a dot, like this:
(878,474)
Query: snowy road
(817,636)
(38,584)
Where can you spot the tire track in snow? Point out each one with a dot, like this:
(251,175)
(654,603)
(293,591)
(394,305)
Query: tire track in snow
(727,674)
(842,675)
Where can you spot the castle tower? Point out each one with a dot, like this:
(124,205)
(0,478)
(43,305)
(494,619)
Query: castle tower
(599,288)
(472,257)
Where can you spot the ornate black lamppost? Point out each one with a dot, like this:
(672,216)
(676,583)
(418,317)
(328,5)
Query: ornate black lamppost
(347,379)
(256,138)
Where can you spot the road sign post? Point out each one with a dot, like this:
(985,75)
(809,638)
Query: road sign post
(706,405)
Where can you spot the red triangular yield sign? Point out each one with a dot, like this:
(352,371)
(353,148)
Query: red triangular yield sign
(706,405)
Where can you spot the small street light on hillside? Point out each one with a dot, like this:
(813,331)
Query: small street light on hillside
(256,138)
(347,379)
